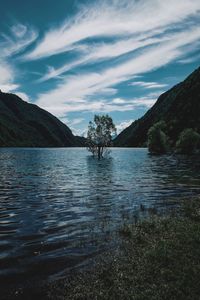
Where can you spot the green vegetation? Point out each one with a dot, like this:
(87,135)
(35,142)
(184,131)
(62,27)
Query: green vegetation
(100,134)
(159,259)
(159,143)
(179,107)
(188,142)
(157,139)
(26,125)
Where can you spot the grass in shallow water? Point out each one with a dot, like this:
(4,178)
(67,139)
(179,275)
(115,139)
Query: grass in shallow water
(159,258)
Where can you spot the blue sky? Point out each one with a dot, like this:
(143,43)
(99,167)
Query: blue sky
(75,58)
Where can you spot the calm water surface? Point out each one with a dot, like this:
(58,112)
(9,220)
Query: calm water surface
(59,207)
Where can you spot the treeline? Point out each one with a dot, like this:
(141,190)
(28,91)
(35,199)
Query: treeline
(161,142)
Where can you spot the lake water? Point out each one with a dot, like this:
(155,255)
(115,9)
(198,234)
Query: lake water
(60,207)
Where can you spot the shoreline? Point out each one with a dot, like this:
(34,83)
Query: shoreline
(158,259)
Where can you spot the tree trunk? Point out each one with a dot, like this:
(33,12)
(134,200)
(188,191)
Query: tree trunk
(99,152)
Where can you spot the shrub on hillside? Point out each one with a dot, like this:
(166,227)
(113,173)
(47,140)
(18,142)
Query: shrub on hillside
(188,142)
(157,139)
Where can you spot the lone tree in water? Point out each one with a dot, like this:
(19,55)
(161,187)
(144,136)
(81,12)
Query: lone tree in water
(99,135)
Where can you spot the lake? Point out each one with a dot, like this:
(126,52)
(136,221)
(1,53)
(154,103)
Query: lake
(60,207)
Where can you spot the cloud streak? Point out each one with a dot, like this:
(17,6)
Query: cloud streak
(122,125)
(101,51)
(118,18)
(107,48)
(114,41)
(18,39)
(148,85)
(74,89)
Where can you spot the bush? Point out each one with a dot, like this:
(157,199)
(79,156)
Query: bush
(157,139)
(157,260)
(188,142)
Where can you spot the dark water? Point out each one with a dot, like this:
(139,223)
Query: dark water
(59,207)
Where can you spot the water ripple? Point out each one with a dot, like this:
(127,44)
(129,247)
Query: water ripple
(59,207)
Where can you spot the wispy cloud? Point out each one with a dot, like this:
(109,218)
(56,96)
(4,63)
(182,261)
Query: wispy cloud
(76,121)
(114,18)
(122,125)
(101,51)
(118,101)
(23,96)
(111,42)
(102,105)
(6,77)
(74,89)
(189,60)
(72,123)
(19,37)
(148,85)
(17,40)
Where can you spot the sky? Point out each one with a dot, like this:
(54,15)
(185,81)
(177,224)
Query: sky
(76,58)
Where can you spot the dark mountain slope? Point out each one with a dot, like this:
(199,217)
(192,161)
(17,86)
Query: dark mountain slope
(26,125)
(179,108)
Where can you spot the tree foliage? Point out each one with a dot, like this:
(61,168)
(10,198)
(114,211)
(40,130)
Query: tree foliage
(99,135)
(157,139)
(188,142)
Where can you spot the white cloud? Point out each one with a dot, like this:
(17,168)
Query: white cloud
(7,84)
(76,121)
(73,123)
(143,102)
(100,51)
(189,60)
(19,38)
(75,89)
(6,73)
(152,33)
(7,88)
(124,124)
(19,30)
(101,106)
(23,96)
(6,77)
(79,132)
(114,18)
(148,85)
(118,101)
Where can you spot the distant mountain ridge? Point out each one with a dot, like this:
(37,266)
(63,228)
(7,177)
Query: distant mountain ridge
(179,107)
(26,125)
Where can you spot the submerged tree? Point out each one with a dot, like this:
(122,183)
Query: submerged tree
(157,139)
(100,133)
(188,142)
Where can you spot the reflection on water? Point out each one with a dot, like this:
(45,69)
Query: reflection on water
(59,207)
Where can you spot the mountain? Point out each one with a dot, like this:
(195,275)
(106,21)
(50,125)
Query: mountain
(179,107)
(26,125)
